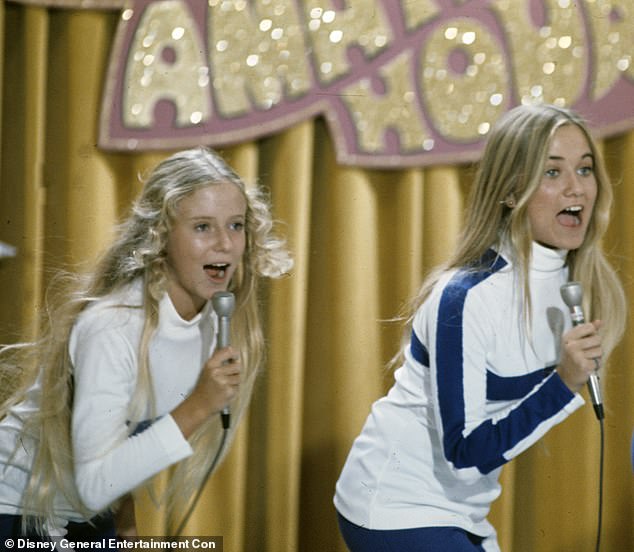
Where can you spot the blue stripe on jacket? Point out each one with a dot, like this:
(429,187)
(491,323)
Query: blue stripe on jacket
(463,452)
(485,446)
(498,388)
(419,351)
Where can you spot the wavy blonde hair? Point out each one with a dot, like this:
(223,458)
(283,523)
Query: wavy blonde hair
(139,251)
(512,166)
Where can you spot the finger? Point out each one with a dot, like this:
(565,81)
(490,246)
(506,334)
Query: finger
(591,357)
(231,380)
(227,355)
(583,340)
(227,374)
(582,330)
(590,350)
(232,366)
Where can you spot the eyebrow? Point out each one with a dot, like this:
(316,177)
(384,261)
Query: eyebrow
(558,158)
(202,217)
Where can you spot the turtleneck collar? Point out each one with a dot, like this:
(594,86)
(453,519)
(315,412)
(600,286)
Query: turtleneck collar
(169,314)
(545,259)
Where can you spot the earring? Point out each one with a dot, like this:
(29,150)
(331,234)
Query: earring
(509,202)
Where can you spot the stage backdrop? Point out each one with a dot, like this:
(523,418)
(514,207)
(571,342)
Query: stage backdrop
(363,132)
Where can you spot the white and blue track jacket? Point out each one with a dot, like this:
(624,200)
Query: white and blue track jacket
(476,389)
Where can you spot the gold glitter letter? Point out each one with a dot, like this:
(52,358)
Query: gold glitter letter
(551,61)
(397,109)
(362,24)
(418,12)
(464,79)
(253,55)
(613,43)
(166,62)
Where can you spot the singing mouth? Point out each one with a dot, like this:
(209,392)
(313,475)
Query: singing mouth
(217,270)
(570,216)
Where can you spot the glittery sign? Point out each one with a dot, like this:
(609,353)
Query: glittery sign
(400,83)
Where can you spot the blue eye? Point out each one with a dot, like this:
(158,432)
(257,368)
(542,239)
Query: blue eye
(202,227)
(552,173)
(237,226)
(586,171)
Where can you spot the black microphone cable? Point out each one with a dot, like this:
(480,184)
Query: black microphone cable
(571,294)
(194,502)
(600,507)
(223,303)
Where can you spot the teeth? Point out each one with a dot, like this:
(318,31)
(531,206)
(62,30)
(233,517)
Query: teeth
(574,209)
(219,269)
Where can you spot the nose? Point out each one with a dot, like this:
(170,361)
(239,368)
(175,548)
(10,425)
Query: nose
(223,240)
(574,187)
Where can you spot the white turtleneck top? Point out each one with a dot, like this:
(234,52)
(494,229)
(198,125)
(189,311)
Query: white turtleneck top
(478,387)
(111,458)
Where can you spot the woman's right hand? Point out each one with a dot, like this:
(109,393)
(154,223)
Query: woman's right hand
(580,354)
(217,386)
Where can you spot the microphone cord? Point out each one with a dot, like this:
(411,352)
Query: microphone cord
(600,513)
(223,304)
(221,446)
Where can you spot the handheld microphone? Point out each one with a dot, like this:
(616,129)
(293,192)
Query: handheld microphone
(572,295)
(223,303)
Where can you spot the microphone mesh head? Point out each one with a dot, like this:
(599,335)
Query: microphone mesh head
(572,294)
(223,303)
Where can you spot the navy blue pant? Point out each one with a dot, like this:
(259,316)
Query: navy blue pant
(421,539)
(100,528)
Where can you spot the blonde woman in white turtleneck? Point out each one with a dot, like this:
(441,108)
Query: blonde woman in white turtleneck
(127,378)
(491,362)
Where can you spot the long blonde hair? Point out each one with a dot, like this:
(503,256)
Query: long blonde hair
(139,252)
(511,167)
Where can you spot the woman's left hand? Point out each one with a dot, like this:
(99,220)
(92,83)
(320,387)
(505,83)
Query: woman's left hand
(580,353)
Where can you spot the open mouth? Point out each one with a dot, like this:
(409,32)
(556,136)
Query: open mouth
(217,271)
(570,216)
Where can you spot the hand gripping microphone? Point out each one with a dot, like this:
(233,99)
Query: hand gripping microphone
(572,295)
(223,303)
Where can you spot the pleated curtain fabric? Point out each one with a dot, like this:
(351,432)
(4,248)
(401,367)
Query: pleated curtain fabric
(362,241)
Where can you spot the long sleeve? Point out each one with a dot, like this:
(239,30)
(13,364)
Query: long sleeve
(477,386)
(108,461)
(489,412)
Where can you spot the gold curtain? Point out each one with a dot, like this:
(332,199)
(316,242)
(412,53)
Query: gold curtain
(362,241)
